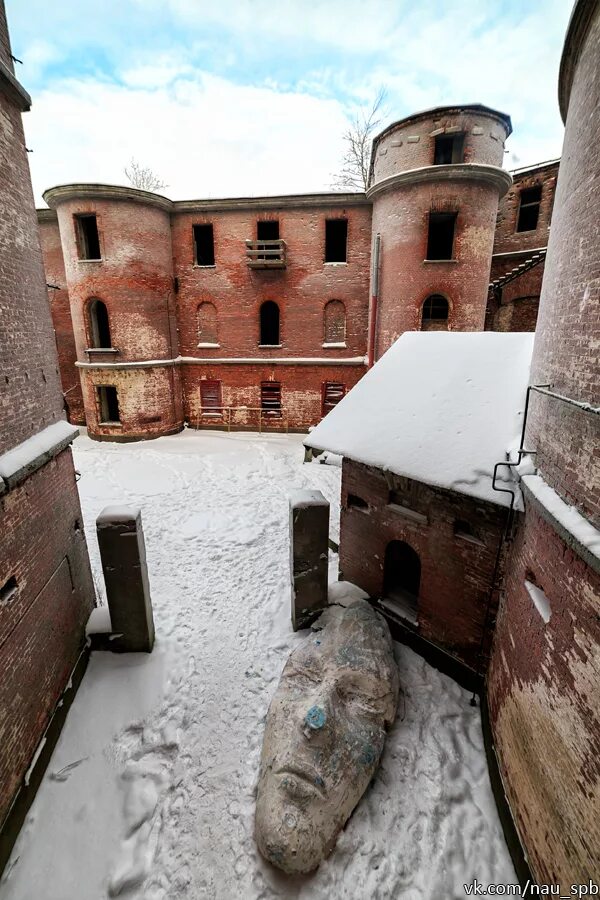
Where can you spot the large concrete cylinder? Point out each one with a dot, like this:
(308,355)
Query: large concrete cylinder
(436,173)
(118,261)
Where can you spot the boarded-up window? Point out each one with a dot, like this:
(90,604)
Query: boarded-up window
(210,397)
(207,324)
(333,391)
(270,399)
(435,314)
(334,322)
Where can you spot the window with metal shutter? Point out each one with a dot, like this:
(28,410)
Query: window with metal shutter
(270,399)
(333,392)
(210,395)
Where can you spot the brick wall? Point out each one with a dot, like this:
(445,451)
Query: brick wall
(507,238)
(60,310)
(543,689)
(518,309)
(456,572)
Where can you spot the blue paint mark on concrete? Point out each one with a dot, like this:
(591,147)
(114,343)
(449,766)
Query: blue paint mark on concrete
(315,718)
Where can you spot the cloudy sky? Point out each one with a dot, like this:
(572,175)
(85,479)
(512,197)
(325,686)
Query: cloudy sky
(249,97)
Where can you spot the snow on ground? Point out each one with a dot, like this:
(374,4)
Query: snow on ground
(150,791)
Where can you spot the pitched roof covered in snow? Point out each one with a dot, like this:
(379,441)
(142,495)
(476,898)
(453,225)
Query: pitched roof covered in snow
(438,407)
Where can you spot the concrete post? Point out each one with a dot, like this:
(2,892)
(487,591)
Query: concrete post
(309,535)
(123,555)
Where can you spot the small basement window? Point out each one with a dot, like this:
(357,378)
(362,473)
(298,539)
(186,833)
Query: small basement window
(86,233)
(204,245)
(8,590)
(336,240)
(449,148)
(108,404)
(440,237)
(270,399)
(529,208)
(356,502)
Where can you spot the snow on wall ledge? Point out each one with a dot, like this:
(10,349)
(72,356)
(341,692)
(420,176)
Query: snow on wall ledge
(18,463)
(441,408)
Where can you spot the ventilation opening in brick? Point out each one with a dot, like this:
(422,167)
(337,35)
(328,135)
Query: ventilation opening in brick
(210,397)
(333,391)
(449,148)
(529,208)
(435,314)
(269,324)
(108,404)
(267,231)
(99,325)
(402,578)
(204,245)
(8,590)
(440,239)
(270,399)
(88,241)
(356,502)
(336,240)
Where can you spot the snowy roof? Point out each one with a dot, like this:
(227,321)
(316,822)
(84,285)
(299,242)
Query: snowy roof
(438,407)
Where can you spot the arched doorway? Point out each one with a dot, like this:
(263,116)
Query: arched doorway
(402,578)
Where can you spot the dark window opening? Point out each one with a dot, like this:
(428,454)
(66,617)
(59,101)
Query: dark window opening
(204,245)
(270,399)
(402,577)
(269,324)
(267,231)
(464,529)
(449,148)
(334,322)
(356,502)
(210,396)
(8,590)
(99,325)
(108,403)
(88,241)
(336,240)
(529,208)
(435,314)
(333,391)
(440,238)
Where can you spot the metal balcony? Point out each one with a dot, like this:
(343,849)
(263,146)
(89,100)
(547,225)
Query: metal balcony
(266,254)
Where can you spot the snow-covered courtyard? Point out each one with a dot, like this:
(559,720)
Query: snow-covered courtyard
(150,791)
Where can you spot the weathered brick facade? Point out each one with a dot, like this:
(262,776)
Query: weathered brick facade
(46,589)
(201,317)
(544,680)
(457,568)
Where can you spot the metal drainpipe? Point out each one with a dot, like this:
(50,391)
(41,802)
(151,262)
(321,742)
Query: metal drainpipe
(374,301)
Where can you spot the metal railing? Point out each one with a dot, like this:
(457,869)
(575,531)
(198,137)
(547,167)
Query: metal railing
(265,254)
(254,415)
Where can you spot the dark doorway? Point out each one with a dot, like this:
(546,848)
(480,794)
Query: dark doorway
(268,231)
(269,324)
(402,578)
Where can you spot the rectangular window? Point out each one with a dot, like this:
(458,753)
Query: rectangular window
(210,396)
(449,148)
(268,231)
(356,502)
(86,233)
(440,238)
(270,399)
(108,404)
(529,208)
(333,391)
(336,240)
(204,245)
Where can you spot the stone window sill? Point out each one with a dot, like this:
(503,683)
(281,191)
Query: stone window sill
(101,259)
(437,262)
(335,346)
(269,346)
(111,424)
(208,345)
(335,264)
(197,266)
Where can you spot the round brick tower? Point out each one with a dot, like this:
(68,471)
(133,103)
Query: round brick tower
(544,678)
(119,270)
(435,182)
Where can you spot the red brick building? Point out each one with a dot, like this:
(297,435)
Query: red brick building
(46,590)
(263,312)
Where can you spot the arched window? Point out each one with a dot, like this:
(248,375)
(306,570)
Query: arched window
(435,314)
(334,322)
(99,325)
(269,324)
(207,324)
(402,577)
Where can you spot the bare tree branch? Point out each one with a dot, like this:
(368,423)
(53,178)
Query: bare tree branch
(143,177)
(354,172)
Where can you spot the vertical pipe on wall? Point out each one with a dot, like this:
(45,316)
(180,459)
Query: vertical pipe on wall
(374,296)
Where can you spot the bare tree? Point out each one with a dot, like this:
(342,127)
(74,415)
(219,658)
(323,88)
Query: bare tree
(143,177)
(358,138)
